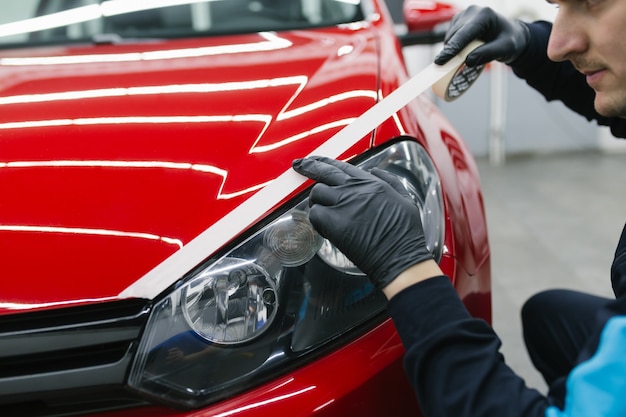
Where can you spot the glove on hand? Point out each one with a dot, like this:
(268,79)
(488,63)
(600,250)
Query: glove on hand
(505,39)
(370,217)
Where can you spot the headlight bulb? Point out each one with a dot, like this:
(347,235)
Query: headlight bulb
(231,303)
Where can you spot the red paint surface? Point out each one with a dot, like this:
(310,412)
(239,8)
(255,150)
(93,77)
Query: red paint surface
(100,186)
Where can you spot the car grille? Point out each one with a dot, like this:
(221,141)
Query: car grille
(69,361)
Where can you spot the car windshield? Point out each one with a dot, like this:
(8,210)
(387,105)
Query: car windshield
(68,21)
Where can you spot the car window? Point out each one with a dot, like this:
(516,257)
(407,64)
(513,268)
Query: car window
(64,21)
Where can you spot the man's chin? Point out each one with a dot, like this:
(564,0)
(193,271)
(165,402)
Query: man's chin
(609,107)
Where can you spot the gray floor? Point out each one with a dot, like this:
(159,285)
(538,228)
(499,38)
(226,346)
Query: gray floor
(554,221)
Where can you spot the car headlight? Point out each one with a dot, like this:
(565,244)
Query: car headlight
(269,302)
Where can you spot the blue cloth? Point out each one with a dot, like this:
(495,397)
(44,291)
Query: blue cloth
(597,387)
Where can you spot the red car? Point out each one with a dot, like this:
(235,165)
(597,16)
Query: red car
(138,279)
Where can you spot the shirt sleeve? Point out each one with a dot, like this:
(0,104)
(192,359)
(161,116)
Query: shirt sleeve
(453,359)
(560,80)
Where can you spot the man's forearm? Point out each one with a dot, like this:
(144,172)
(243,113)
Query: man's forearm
(452,359)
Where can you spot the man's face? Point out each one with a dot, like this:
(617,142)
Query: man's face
(592,35)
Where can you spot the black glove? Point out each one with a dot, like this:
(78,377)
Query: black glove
(370,217)
(505,39)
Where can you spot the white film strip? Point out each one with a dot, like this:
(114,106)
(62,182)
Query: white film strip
(250,211)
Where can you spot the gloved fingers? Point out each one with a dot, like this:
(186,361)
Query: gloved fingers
(461,32)
(459,20)
(459,40)
(487,52)
(452,48)
(324,195)
(327,170)
(448,52)
(391,180)
(322,219)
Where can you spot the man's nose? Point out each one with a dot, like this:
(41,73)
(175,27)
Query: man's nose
(568,37)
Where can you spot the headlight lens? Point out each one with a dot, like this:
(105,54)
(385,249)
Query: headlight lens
(273,299)
(232,303)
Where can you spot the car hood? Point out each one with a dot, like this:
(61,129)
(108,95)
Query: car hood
(115,156)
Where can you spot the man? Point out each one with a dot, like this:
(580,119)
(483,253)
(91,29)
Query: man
(580,60)
(451,358)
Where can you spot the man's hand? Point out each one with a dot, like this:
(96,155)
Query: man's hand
(370,217)
(505,39)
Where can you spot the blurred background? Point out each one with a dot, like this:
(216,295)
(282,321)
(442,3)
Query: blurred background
(552,186)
